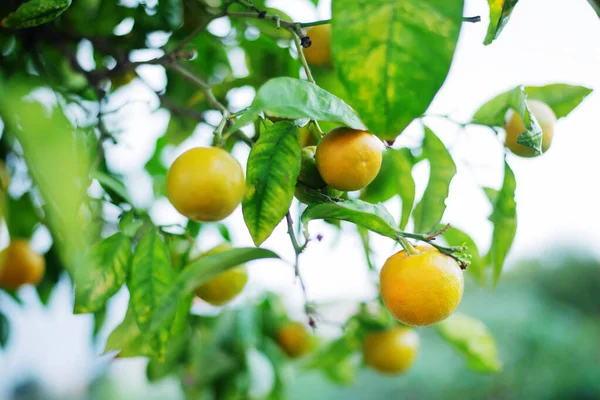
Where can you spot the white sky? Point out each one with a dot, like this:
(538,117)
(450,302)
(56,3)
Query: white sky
(546,41)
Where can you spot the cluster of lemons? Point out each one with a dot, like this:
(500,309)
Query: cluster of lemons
(420,289)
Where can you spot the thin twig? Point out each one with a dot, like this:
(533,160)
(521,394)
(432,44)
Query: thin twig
(298,249)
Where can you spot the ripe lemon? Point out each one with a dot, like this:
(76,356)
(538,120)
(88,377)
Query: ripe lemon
(294,339)
(21,265)
(392,351)
(515,127)
(423,288)
(205,184)
(226,286)
(349,159)
(319,52)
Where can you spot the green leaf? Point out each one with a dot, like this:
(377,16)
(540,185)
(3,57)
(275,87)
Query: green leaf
(271,174)
(374,217)
(456,237)
(395,177)
(197,273)
(150,279)
(504,218)
(561,98)
(128,339)
(102,273)
(172,12)
(493,113)
(296,99)
(500,12)
(113,186)
(21,217)
(595,5)
(393,56)
(58,162)
(473,340)
(34,13)
(430,210)
(180,335)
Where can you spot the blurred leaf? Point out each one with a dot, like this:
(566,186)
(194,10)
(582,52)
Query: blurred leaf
(395,177)
(374,217)
(493,113)
(129,224)
(113,186)
(473,340)
(150,279)
(344,372)
(22,217)
(500,12)
(128,339)
(177,346)
(58,162)
(393,56)
(54,270)
(261,374)
(456,237)
(272,171)
(4,330)
(492,194)
(296,99)
(102,273)
(34,13)
(172,12)
(561,98)
(99,318)
(197,273)
(504,218)
(430,210)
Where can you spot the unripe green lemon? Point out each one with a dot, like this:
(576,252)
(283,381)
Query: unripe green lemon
(309,173)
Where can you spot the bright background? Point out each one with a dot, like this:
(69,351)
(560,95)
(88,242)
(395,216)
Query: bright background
(546,41)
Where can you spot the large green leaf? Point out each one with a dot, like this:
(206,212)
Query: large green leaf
(430,210)
(500,12)
(395,177)
(374,217)
(456,237)
(57,160)
(393,56)
(271,174)
(150,279)
(102,273)
(493,113)
(197,273)
(504,218)
(295,99)
(561,98)
(34,13)
(473,340)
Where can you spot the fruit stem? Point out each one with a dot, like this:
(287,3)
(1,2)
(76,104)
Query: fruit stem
(409,248)
(314,23)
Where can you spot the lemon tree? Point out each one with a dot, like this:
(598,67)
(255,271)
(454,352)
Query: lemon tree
(329,99)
